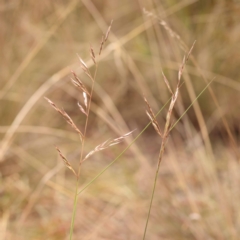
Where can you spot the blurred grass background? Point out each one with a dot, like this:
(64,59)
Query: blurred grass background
(198,190)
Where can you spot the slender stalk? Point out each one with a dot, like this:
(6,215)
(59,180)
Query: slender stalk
(74,210)
(161,152)
(81,156)
(167,130)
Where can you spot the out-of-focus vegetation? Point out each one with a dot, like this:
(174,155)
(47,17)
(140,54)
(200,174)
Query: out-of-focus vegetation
(198,190)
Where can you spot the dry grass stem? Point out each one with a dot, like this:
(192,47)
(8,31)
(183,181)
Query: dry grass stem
(106,144)
(66,117)
(67,163)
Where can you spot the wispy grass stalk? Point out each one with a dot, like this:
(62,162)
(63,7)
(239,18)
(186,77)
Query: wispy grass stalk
(167,128)
(82,149)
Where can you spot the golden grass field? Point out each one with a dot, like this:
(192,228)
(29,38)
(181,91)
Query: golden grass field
(197,190)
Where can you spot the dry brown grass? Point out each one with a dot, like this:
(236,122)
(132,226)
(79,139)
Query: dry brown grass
(197,192)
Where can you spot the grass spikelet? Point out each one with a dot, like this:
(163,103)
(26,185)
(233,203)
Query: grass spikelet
(66,162)
(92,54)
(85,67)
(108,31)
(82,109)
(104,38)
(85,99)
(101,46)
(83,64)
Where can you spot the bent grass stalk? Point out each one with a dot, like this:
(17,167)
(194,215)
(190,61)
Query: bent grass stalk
(167,128)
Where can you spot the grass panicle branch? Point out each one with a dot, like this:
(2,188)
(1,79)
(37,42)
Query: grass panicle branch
(78,83)
(106,145)
(66,117)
